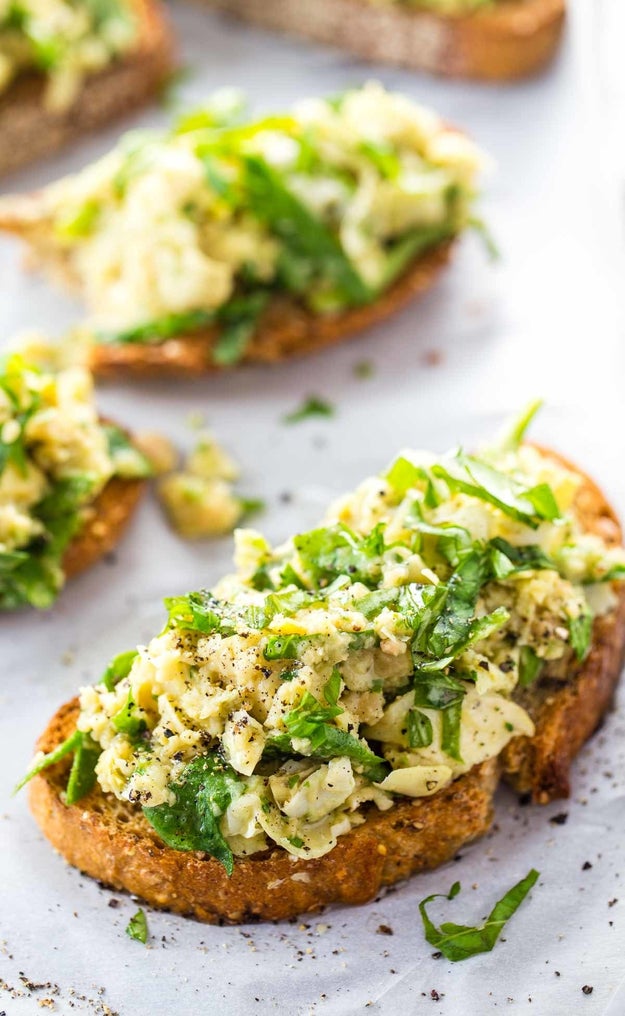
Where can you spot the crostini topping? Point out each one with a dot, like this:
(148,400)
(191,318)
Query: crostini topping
(55,458)
(327,204)
(200,500)
(63,40)
(375,656)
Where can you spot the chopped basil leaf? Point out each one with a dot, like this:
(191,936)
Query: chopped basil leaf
(460,942)
(336,551)
(119,667)
(403,475)
(273,203)
(137,927)
(312,721)
(516,430)
(508,560)
(128,461)
(312,406)
(204,791)
(199,611)
(478,479)
(171,326)
(82,777)
(283,647)
(129,719)
(69,745)
(238,321)
(530,666)
(419,728)
(580,634)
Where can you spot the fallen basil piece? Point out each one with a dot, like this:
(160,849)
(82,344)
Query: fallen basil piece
(459,941)
(312,406)
(137,927)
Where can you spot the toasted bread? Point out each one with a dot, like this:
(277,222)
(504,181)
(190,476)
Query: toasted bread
(286,328)
(567,713)
(511,40)
(114,843)
(105,522)
(28,131)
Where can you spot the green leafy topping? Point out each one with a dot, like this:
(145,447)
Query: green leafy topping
(137,927)
(403,475)
(201,796)
(82,777)
(199,611)
(478,479)
(530,666)
(283,647)
(238,321)
(69,745)
(275,205)
(313,721)
(419,729)
(335,551)
(119,667)
(459,941)
(514,434)
(130,719)
(169,326)
(312,406)
(580,634)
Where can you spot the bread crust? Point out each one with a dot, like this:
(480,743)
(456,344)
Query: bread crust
(285,330)
(113,842)
(104,524)
(512,40)
(29,132)
(567,714)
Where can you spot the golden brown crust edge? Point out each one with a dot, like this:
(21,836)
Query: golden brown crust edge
(104,524)
(114,843)
(566,715)
(29,132)
(285,330)
(513,40)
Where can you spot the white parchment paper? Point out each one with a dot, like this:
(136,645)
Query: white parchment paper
(545,321)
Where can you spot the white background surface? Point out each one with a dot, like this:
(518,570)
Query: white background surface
(546,321)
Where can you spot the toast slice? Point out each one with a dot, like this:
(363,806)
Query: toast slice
(114,843)
(29,132)
(513,39)
(567,714)
(104,525)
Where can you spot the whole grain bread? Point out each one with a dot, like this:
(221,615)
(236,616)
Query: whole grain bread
(512,39)
(28,131)
(112,841)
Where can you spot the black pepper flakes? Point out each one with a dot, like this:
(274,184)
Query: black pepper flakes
(385,929)
(560,818)
(587,989)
